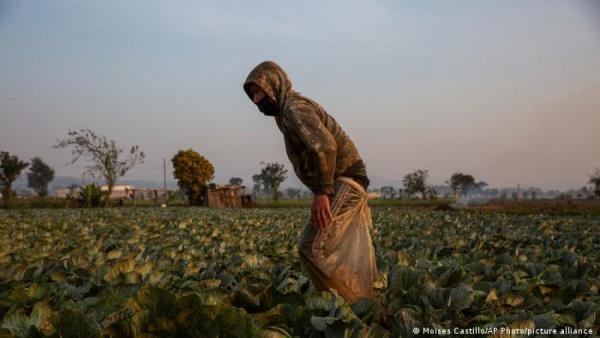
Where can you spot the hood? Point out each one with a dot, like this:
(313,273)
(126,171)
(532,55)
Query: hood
(271,78)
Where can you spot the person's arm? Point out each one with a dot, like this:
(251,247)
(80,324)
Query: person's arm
(304,122)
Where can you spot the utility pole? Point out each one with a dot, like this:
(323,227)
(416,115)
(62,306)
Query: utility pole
(165,179)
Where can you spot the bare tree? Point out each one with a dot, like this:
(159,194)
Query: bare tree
(107,160)
(272,175)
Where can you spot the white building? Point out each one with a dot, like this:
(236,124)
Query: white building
(119,191)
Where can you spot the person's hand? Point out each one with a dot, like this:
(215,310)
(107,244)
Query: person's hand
(321,211)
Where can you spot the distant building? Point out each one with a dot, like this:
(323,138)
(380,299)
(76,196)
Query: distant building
(151,194)
(226,196)
(119,191)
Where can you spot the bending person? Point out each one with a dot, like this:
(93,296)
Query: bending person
(336,246)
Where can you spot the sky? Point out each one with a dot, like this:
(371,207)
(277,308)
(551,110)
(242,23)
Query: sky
(508,91)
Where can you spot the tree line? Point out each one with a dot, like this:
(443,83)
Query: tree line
(416,183)
(107,161)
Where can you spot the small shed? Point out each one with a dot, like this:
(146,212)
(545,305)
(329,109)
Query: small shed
(226,196)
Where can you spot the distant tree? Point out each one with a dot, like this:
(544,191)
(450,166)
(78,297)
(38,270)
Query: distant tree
(416,182)
(236,181)
(388,192)
(259,185)
(293,192)
(39,176)
(595,180)
(479,186)
(465,184)
(304,193)
(106,157)
(585,192)
(192,171)
(272,175)
(432,193)
(10,170)
(455,183)
(461,183)
(400,192)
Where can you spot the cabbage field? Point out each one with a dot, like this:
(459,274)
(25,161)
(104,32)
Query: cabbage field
(197,272)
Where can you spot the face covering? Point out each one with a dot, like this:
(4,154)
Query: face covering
(267,107)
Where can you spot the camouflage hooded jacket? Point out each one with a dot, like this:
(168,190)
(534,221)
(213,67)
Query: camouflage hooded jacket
(316,145)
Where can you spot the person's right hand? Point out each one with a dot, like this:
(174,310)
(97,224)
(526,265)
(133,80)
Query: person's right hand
(321,211)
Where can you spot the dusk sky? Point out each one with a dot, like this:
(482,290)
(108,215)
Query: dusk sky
(508,91)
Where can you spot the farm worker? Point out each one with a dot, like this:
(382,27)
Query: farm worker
(336,246)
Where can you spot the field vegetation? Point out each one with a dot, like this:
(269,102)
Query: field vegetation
(199,272)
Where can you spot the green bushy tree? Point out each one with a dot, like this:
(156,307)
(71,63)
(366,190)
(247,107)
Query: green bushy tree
(39,176)
(10,169)
(192,171)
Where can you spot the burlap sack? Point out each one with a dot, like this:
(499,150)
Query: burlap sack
(342,256)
